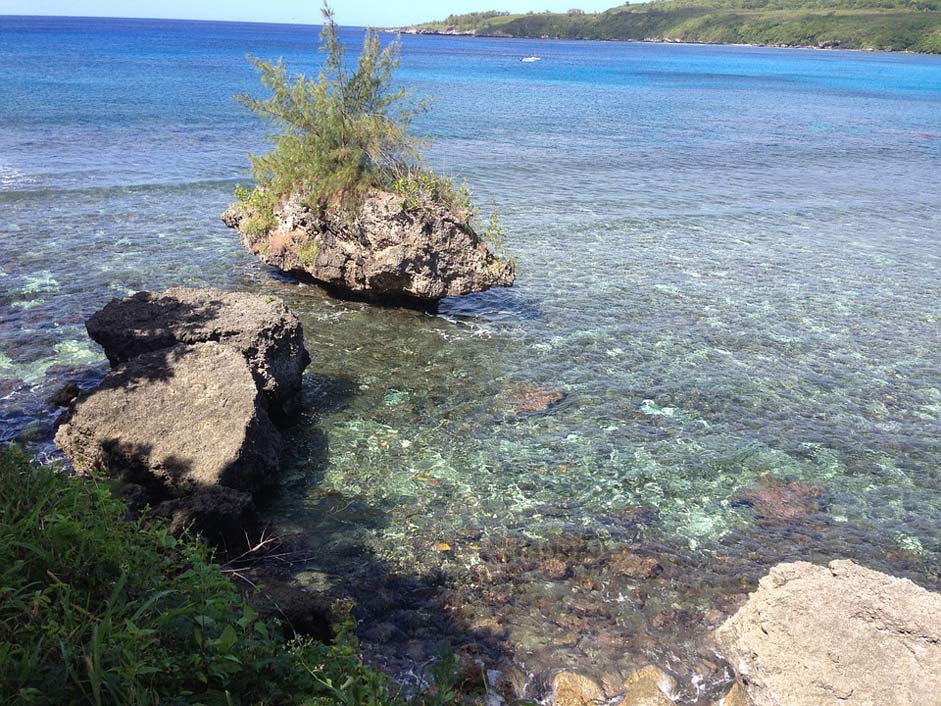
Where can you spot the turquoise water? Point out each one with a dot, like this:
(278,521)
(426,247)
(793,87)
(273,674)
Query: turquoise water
(729,273)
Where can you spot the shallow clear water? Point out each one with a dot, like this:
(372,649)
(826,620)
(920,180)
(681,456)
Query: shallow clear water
(729,266)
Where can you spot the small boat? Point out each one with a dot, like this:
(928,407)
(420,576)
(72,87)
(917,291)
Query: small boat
(530,59)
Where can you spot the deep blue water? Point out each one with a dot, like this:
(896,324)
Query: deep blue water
(730,263)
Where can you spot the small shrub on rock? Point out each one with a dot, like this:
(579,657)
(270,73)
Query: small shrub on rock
(340,134)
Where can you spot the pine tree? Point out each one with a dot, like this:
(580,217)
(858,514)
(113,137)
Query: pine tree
(341,133)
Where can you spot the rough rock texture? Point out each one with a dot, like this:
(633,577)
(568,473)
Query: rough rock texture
(571,689)
(554,568)
(176,420)
(838,634)
(64,395)
(300,612)
(217,513)
(135,497)
(262,329)
(648,687)
(387,252)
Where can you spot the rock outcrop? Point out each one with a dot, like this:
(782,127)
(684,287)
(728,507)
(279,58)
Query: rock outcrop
(262,329)
(735,697)
(184,418)
(175,420)
(835,635)
(387,251)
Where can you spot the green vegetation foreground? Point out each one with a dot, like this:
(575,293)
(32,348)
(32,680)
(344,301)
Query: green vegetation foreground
(885,25)
(99,609)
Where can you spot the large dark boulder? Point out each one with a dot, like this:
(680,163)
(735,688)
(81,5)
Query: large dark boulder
(262,329)
(176,420)
(222,516)
(385,250)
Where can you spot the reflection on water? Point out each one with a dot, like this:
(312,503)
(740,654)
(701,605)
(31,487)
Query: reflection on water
(722,351)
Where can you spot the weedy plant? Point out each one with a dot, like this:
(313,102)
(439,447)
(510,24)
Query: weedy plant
(339,134)
(259,205)
(344,131)
(97,609)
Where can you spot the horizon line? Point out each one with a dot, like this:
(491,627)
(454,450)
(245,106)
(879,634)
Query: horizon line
(185,19)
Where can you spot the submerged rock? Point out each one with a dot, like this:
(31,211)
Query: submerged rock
(777,502)
(386,251)
(649,686)
(262,329)
(635,566)
(177,420)
(571,689)
(554,568)
(839,634)
(530,398)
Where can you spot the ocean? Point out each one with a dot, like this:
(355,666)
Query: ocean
(729,269)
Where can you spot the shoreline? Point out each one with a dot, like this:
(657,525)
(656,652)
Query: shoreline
(473,35)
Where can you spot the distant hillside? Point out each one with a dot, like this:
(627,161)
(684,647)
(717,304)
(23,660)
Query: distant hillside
(887,25)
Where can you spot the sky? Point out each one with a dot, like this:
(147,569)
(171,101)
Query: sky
(375,13)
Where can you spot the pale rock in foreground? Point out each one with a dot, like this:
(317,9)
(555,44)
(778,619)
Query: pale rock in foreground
(175,421)
(837,635)
(387,251)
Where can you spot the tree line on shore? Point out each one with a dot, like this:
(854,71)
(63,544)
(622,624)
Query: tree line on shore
(886,25)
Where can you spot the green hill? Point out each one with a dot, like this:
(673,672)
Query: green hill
(887,25)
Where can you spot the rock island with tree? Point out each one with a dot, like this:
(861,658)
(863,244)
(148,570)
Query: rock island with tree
(344,197)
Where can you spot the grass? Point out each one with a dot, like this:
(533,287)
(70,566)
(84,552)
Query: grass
(101,610)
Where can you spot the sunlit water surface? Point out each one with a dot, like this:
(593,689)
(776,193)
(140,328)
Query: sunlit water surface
(729,266)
